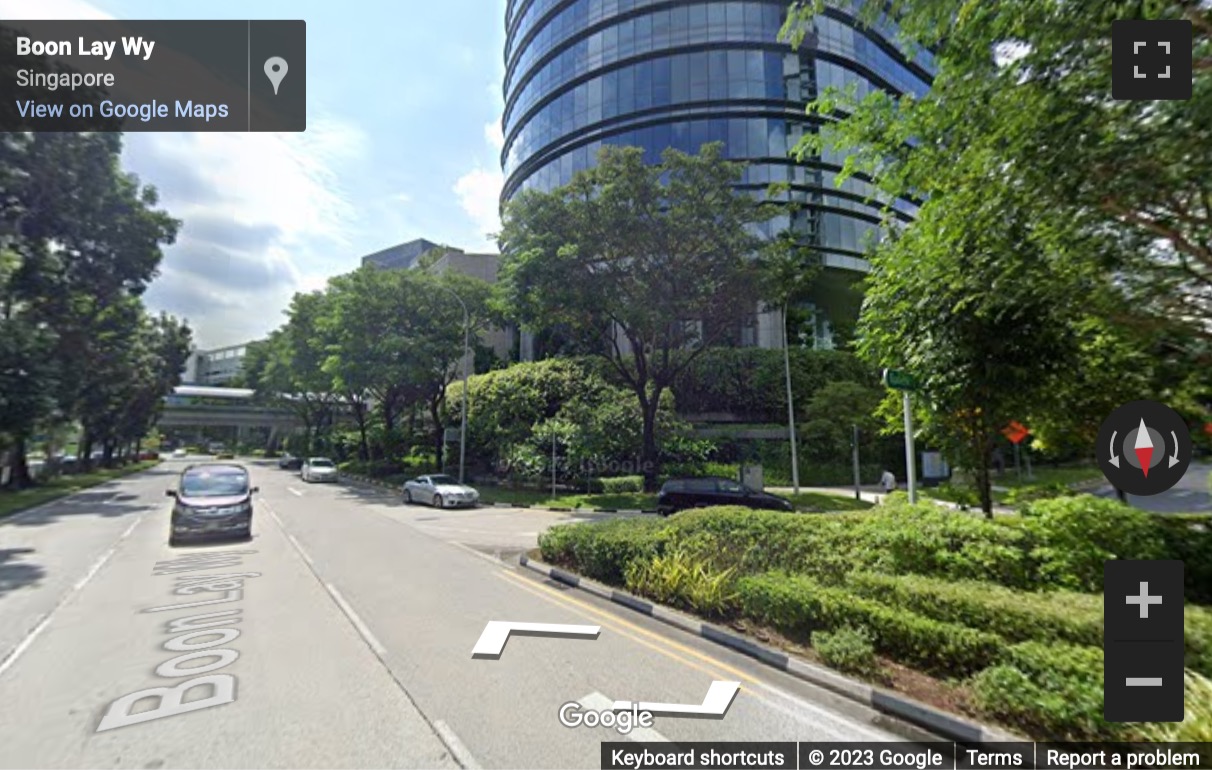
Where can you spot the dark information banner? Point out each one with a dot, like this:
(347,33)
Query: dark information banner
(153,76)
(905,756)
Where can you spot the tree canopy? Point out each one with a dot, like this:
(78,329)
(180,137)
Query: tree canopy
(657,261)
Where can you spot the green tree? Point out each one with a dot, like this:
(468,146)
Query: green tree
(985,320)
(656,260)
(1021,100)
(287,369)
(397,336)
(81,239)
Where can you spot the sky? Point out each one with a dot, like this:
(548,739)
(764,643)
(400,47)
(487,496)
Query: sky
(403,141)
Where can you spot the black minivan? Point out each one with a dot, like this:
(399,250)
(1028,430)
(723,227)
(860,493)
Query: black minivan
(212,500)
(679,494)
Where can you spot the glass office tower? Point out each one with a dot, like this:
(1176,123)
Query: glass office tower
(657,74)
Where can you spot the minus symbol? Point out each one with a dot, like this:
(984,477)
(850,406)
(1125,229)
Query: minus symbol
(1144,681)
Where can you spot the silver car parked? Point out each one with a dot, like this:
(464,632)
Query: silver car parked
(318,469)
(440,491)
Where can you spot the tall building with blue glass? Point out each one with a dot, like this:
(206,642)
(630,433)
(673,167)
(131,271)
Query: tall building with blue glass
(681,73)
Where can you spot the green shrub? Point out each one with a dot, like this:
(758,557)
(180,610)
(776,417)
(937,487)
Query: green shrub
(621,484)
(1197,726)
(846,649)
(1189,538)
(1050,691)
(798,605)
(681,578)
(1076,535)
(1019,616)
(604,550)
(898,540)
(1198,634)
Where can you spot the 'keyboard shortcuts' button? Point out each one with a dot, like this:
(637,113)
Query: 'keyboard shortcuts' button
(1143,641)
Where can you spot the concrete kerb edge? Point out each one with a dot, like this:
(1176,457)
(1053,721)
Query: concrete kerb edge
(946,725)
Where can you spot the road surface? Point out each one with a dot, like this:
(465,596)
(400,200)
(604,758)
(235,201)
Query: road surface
(1190,495)
(341,636)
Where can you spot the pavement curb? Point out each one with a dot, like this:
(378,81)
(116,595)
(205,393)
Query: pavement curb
(940,722)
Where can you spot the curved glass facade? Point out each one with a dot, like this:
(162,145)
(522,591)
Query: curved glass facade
(654,74)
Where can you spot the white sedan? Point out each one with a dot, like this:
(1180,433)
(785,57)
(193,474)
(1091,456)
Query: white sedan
(319,469)
(440,491)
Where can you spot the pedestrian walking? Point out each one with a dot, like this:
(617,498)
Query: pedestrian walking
(888,482)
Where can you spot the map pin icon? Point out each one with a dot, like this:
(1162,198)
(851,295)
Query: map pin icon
(275,70)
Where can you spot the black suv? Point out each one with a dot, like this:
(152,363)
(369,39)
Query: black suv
(679,494)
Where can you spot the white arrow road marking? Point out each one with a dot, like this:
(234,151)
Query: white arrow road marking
(1174,460)
(496,633)
(1114,457)
(715,705)
(596,701)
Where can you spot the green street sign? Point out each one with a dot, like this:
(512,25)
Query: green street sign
(898,380)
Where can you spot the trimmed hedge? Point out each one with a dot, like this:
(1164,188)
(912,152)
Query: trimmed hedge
(1019,616)
(1050,691)
(920,539)
(621,484)
(1189,537)
(798,605)
(1076,535)
(604,550)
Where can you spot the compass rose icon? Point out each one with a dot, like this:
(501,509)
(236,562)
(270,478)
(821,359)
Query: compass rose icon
(1144,448)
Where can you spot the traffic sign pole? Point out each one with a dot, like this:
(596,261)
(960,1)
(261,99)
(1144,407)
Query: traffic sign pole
(910,465)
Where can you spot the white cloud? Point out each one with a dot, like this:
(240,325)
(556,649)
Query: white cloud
(494,134)
(479,194)
(268,210)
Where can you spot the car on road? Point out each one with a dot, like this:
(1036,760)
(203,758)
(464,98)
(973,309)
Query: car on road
(180,452)
(680,494)
(216,447)
(440,491)
(212,500)
(319,469)
(289,463)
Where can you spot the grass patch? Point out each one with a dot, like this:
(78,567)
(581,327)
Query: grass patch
(1045,482)
(15,501)
(822,502)
(623,500)
(812,502)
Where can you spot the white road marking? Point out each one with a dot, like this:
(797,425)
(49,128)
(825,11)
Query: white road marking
(294,491)
(596,701)
(363,631)
(497,632)
(25,643)
(719,697)
(456,747)
(379,649)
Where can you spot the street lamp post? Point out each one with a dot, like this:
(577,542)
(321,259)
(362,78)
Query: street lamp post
(795,465)
(466,352)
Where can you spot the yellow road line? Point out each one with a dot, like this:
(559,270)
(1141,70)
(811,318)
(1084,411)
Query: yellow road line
(592,614)
(852,728)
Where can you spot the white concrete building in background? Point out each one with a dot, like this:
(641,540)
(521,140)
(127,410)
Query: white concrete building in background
(214,367)
(483,266)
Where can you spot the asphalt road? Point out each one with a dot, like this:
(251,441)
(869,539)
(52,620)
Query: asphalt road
(1190,495)
(344,631)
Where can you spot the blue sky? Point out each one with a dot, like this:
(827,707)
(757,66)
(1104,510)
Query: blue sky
(403,142)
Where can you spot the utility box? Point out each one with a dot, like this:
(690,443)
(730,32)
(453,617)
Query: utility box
(751,476)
